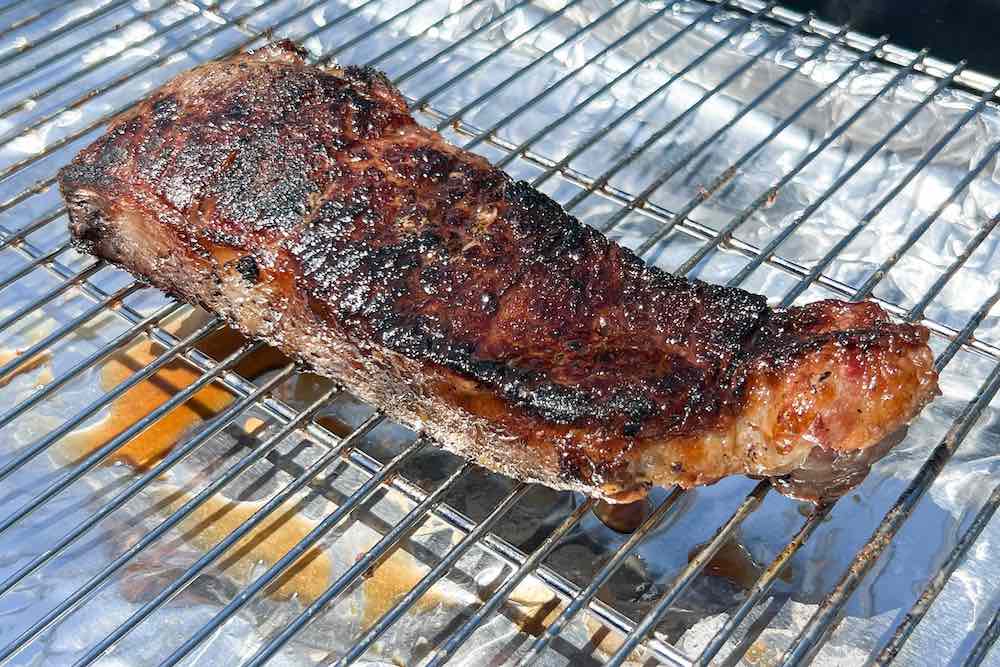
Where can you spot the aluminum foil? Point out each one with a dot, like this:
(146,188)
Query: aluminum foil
(153,41)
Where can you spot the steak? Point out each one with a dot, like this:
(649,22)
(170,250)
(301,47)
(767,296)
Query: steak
(308,208)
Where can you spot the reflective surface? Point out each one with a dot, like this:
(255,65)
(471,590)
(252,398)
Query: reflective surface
(759,144)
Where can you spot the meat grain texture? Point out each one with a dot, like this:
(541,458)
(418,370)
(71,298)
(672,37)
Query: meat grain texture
(308,208)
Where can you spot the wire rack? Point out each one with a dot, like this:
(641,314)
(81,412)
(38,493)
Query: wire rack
(34,232)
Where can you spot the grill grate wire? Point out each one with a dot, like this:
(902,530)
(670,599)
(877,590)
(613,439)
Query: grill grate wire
(381,475)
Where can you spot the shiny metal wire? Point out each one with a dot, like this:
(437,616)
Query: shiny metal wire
(576,599)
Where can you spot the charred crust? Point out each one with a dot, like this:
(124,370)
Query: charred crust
(774,355)
(87,220)
(285,45)
(247,267)
(236,111)
(87,225)
(533,212)
(368,117)
(527,389)
(165,111)
(367,75)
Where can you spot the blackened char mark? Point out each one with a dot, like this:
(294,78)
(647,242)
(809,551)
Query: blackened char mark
(247,267)
(788,334)
(432,291)
(368,75)
(166,111)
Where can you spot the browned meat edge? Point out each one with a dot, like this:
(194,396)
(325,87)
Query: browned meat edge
(309,209)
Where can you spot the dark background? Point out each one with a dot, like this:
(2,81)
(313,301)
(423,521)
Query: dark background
(951,29)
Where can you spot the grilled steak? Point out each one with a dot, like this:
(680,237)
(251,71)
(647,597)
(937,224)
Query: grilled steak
(308,208)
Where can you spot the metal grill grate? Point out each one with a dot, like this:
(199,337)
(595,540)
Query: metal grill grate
(59,103)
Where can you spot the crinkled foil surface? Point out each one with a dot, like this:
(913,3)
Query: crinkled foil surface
(147,47)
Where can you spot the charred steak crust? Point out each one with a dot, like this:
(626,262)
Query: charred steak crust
(307,207)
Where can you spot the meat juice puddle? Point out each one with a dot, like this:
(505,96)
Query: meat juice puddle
(218,516)
(40,362)
(147,448)
(733,561)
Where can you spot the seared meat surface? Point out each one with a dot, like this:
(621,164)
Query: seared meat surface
(307,207)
